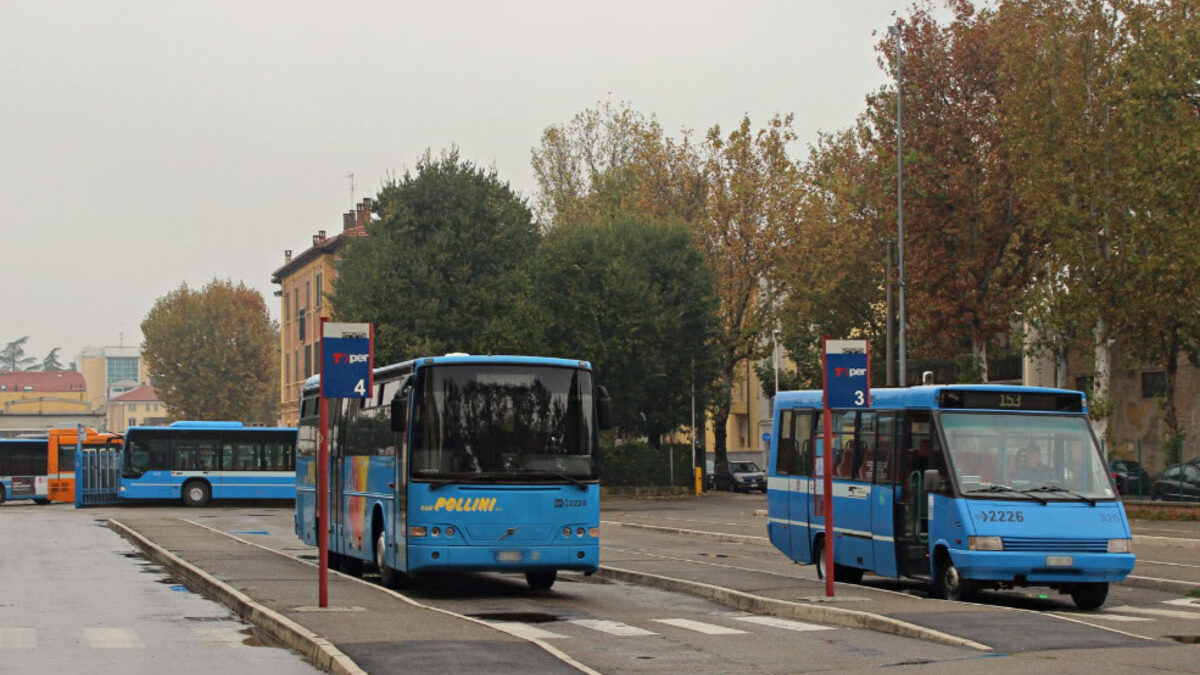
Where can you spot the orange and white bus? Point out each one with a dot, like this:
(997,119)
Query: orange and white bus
(61,458)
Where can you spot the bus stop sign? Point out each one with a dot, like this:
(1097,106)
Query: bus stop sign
(847,374)
(347,353)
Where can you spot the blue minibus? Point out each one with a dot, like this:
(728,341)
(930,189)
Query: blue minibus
(968,487)
(197,461)
(23,469)
(460,463)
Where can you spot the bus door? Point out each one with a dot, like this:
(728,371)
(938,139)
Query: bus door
(852,490)
(911,516)
(397,396)
(337,473)
(788,504)
(884,495)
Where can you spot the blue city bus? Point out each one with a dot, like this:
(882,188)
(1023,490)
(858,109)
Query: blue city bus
(460,463)
(200,461)
(966,486)
(23,469)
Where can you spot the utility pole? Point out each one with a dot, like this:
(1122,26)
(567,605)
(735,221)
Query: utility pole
(895,30)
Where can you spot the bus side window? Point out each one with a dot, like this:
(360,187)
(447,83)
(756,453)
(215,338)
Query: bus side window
(795,448)
(866,443)
(885,446)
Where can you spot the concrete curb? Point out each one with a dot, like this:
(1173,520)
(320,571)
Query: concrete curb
(319,651)
(1159,584)
(1171,542)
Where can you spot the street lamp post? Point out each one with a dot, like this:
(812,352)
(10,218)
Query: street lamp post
(895,30)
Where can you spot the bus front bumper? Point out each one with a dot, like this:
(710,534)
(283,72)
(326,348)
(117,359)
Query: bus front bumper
(583,557)
(1043,568)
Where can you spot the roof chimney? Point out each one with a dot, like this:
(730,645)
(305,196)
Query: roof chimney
(321,234)
(316,239)
(347,220)
(287,255)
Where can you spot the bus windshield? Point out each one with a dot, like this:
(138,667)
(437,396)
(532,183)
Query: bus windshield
(503,422)
(1041,457)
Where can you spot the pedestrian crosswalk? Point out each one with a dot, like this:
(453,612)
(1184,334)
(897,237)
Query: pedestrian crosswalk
(718,624)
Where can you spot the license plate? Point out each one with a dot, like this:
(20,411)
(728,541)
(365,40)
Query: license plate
(1059,561)
(509,556)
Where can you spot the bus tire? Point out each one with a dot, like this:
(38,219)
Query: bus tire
(541,580)
(1089,596)
(195,493)
(948,584)
(389,577)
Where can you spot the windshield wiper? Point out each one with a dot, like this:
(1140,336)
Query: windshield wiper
(1005,488)
(1062,490)
(435,483)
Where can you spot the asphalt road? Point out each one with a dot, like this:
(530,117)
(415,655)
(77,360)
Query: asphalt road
(610,626)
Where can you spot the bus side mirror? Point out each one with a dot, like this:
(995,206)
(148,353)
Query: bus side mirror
(604,411)
(399,414)
(931,479)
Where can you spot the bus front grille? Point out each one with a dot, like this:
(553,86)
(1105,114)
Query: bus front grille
(1055,544)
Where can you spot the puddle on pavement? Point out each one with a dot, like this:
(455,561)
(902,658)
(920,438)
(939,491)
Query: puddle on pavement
(256,637)
(518,617)
(206,618)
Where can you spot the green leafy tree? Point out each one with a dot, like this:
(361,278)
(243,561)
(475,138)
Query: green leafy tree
(212,353)
(51,362)
(968,250)
(13,358)
(1161,109)
(439,271)
(636,298)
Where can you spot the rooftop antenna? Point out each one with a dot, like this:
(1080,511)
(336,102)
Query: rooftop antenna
(351,177)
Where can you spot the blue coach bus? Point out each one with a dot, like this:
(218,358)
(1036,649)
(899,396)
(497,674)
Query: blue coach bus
(968,487)
(23,469)
(460,463)
(200,461)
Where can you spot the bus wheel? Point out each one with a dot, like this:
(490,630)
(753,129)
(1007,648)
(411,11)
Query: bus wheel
(1089,596)
(196,493)
(387,576)
(541,580)
(948,584)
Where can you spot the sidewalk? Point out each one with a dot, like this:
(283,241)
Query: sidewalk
(369,630)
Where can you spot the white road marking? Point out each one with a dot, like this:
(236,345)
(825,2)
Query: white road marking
(701,627)
(1184,602)
(526,631)
(1154,611)
(612,627)
(1118,617)
(113,638)
(786,624)
(18,638)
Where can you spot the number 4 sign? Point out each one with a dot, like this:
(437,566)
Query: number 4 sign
(347,354)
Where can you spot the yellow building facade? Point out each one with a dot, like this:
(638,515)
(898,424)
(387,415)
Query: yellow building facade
(305,280)
(139,407)
(43,393)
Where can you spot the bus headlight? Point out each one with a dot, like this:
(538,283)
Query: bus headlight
(1120,546)
(985,544)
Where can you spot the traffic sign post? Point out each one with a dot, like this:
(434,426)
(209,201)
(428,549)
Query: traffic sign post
(846,370)
(347,358)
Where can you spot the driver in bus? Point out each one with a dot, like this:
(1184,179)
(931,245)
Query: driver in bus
(1029,466)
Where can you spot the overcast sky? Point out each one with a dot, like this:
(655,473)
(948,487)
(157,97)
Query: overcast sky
(145,144)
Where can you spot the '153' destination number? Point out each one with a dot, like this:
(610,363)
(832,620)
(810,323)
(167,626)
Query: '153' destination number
(1001,517)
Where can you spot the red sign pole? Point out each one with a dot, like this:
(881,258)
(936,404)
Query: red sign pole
(322,485)
(827,457)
